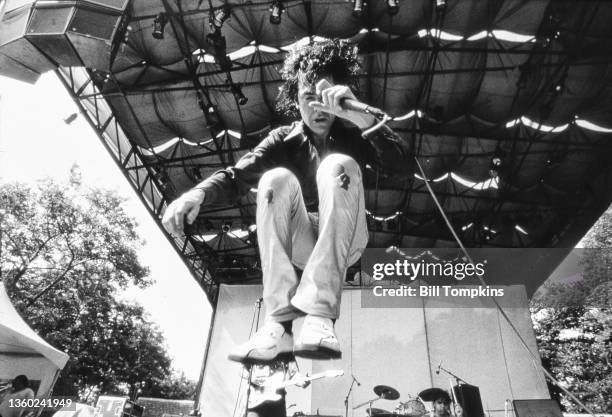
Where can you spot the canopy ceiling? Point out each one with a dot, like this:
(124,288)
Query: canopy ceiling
(506,104)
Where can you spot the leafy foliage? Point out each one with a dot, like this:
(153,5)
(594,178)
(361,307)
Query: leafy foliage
(573,324)
(66,253)
(179,387)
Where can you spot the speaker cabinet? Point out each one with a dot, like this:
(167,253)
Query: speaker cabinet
(469,398)
(19,59)
(119,5)
(77,33)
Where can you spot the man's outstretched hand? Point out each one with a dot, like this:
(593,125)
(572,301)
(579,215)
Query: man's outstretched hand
(186,206)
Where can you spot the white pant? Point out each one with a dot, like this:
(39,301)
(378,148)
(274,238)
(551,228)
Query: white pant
(288,237)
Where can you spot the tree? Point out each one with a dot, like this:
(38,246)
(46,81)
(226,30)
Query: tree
(66,251)
(177,387)
(573,326)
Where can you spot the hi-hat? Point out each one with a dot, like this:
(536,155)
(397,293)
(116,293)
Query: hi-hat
(386,392)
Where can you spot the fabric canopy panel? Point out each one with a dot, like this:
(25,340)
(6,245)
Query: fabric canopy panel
(22,351)
(399,347)
(505,104)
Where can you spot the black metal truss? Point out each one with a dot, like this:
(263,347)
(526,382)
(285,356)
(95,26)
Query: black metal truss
(144,180)
(143,172)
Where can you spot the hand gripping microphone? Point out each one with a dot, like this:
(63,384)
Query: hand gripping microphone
(350,104)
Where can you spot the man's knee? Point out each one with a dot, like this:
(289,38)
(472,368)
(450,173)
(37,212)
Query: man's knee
(338,169)
(275,183)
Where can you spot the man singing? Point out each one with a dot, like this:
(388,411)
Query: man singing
(310,200)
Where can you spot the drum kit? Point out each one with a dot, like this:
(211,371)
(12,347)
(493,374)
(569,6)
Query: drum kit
(414,407)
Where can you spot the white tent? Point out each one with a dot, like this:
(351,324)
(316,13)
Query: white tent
(22,351)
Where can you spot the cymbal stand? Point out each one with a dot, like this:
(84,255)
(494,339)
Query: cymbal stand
(368,402)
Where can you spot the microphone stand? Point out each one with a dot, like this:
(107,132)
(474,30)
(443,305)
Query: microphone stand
(457,379)
(458,382)
(248,393)
(347,397)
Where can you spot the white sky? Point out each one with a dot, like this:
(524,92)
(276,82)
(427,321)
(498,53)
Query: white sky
(35,143)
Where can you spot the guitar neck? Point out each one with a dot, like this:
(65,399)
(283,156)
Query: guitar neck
(309,378)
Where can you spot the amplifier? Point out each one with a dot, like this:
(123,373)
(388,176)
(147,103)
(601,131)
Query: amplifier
(469,398)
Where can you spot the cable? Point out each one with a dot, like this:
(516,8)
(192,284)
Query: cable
(254,325)
(534,359)
(377,126)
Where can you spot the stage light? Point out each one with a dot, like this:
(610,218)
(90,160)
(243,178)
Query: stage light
(216,42)
(159,24)
(219,16)
(488,233)
(237,92)
(496,163)
(392,6)
(440,4)
(226,227)
(358,6)
(197,174)
(276,9)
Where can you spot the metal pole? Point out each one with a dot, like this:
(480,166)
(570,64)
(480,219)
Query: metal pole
(196,398)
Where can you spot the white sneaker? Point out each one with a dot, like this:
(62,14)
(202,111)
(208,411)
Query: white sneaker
(317,339)
(270,342)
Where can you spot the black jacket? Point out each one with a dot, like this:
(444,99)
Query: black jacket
(291,147)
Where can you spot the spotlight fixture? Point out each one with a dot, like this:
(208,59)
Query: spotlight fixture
(237,92)
(216,42)
(219,16)
(195,172)
(159,24)
(276,9)
(487,233)
(358,6)
(496,163)
(392,6)
(226,227)
(440,4)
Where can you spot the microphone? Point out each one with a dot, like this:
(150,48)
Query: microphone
(350,104)
(438,370)
(355,379)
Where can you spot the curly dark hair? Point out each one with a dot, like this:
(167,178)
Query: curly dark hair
(327,57)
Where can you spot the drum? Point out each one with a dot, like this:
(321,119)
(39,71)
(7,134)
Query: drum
(411,408)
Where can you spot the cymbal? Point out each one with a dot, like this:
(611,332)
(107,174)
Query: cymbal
(432,394)
(386,392)
(376,412)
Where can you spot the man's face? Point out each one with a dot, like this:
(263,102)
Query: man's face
(441,408)
(317,121)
